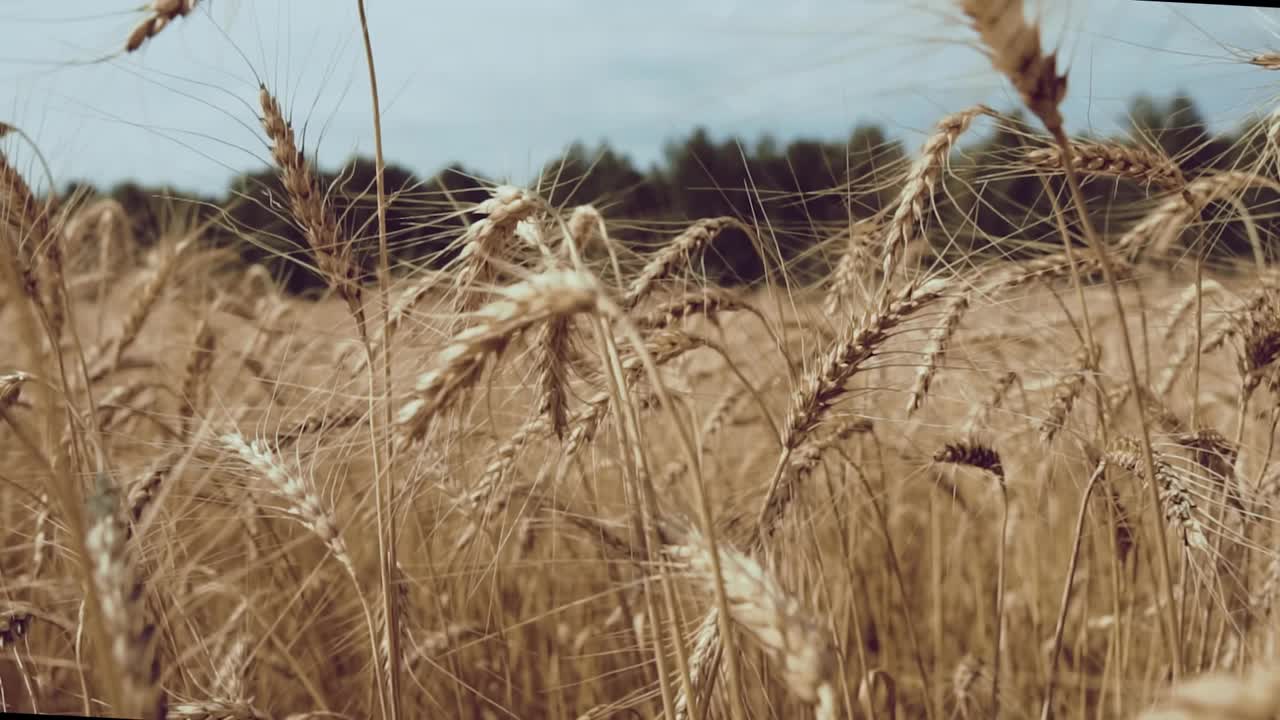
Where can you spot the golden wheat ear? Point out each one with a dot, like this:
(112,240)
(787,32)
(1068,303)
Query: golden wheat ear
(162,12)
(1013,45)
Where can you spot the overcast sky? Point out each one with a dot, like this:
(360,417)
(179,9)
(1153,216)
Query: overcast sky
(502,86)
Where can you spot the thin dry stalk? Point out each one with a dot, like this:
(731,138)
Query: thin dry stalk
(1015,51)
(984,457)
(1046,711)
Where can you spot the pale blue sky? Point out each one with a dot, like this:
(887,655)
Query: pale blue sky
(502,86)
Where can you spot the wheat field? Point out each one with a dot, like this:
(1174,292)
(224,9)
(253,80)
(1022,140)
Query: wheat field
(562,477)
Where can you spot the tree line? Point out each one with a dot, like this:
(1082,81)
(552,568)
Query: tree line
(799,193)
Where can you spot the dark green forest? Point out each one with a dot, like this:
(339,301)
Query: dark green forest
(798,193)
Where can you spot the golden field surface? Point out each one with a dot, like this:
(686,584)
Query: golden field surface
(564,476)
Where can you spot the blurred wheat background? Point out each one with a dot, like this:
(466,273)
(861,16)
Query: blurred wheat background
(975,420)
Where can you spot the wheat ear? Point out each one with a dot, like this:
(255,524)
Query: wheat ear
(486,240)
(122,609)
(1065,393)
(1179,507)
(677,253)
(777,621)
(162,13)
(1112,160)
(538,299)
(311,208)
(908,215)
(1013,47)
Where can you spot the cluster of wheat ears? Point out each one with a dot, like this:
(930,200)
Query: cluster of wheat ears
(560,479)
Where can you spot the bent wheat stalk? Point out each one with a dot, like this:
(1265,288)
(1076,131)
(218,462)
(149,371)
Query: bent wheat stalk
(1014,50)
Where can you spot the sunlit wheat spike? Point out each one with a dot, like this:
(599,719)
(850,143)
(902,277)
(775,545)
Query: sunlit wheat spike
(854,263)
(953,311)
(1162,226)
(24,225)
(107,355)
(826,385)
(708,303)
(542,297)
(195,376)
(1258,328)
(1186,301)
(980,415)
(1065,393)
